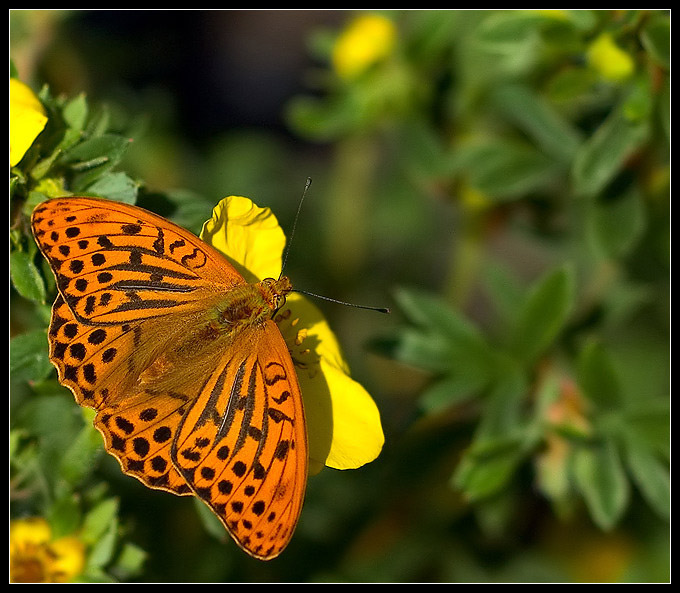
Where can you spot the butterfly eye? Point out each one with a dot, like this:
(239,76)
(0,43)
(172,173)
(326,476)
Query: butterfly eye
(275,291)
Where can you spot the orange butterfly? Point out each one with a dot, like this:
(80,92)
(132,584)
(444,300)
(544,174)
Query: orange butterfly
(192,381)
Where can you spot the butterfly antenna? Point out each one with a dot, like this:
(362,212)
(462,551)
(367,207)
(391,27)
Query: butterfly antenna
(295,221)
(325,298)
(311,294)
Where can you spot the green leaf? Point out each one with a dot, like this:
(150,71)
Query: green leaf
(79,460)
(55,422)
(209,520)
(543,315)
(129,561)
(504,291)
(75,112)
(484,471)
(452,389)
(504,169)
(64,515)
(28,359)
(25,276)
(617,223)
(433,313)
(603,155)
(443,341)
(570,85)
(427,351)
(102,549)
(98,122)
(599,476)
(99,520)
(656,39)
(115,186)
(651,426)
(651,477)
(502,416)
(92,157)
(597,377)
(536,117)
(508,30)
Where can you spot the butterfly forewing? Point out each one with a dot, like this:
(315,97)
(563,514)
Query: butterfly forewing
(190,398)
(116,263)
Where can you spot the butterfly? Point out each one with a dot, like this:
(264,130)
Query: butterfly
(193,385)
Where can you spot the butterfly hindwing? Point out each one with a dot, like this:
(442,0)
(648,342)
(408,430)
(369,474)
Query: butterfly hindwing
(242,445)
(98,365)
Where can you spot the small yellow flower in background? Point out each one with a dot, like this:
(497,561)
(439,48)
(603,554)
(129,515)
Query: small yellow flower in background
(35,558)
(27,119)
(474,199)
(609,60)
(557,14)
(366,40)
(343,422)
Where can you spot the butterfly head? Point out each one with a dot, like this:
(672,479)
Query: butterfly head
(275,291)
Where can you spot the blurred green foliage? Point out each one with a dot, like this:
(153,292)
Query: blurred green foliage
(504,175)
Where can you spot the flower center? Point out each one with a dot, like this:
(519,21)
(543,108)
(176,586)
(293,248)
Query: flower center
(28,566)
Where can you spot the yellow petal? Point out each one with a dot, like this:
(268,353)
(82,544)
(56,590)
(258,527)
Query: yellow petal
(27,119)
(69,559)
(29,531)
(343,422)
(248,235)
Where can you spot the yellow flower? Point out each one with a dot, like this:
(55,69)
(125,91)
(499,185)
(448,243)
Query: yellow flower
(26,119)
(609,60)
(366,40)
(343,422)
(35,558)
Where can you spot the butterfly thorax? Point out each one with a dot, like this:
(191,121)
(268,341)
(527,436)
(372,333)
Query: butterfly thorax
(251,305)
